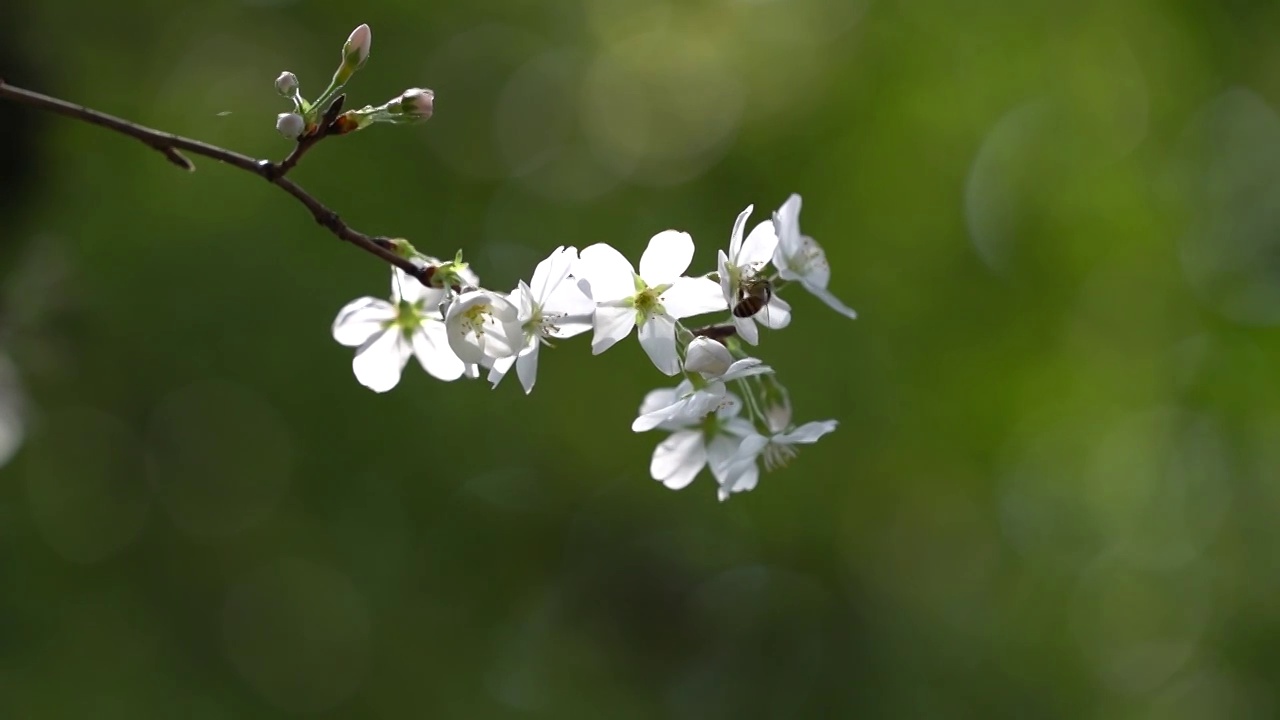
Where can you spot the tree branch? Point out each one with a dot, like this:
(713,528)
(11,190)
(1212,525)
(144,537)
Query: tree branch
(172,147)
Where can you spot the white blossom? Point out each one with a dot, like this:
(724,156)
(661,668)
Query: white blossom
(694,444)
(744,262)
(652,299)
(799,257)
(552,306)
(776,450)
(385,334)
(483,324)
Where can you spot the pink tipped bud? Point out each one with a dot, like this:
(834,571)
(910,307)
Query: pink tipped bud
(417,103)
(356,51)
(290,125)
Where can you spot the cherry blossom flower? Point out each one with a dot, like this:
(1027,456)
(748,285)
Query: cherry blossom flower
(745,262)
(552,306)
(385,334)
(695,444)
(799,257)
(777,450)
(653,299)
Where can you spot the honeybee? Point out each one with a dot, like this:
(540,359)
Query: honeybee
(753,295)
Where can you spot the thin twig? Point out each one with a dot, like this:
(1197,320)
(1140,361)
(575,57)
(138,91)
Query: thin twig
(171,146)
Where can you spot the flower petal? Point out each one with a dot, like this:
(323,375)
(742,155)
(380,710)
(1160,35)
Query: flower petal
(741,477)
(693,296)
(431,348)
(735,238)
(499,369)
(660,398)
(739,472)
(527,368)
(722,451)
(666,258)
(568,310)
(776,315)
(379,362)
(786,223)
(678,459)
(744,368)
(361,319)
(408,289)
(832,301)
(608,273)
(807,433)
(727,291)
(747,330)
(552,271)
(611,324)
(758,247)
(658,338)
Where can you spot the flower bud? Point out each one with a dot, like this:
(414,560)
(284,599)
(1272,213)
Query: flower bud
(287,84)
(356,50)
(415,104)
(707,357)
(290,125)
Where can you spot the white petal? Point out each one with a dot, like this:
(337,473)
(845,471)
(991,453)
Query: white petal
(660,398)
(502,339)
(609,274)
(361,319)
(666,258)
(738,426)
(707,357)
(407,289)
(745,367)
(689,408)
(722,452)
(776,315)
(678,459)
(747,330)
(611,325)
(831,300)
(569,310)
(552,271)
(727,290)
(527,368)
(786,223)
(693,296)
(658,338)
(758,247)
(379,362)
(431,347)
(806,433)
(735,238)
(522,297)
(499,370)
(741,473)
(741,477)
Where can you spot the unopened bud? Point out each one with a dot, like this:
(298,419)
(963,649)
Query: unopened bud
(287,84)
(290,125)
(356,50)
(415,104)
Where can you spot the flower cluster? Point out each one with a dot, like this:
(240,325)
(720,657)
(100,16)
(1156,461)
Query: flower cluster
(456,328)
(728,411)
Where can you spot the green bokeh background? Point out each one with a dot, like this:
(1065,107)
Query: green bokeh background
(1053,491)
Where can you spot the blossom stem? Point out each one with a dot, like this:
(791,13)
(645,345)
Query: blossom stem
(753,407)
(173,146)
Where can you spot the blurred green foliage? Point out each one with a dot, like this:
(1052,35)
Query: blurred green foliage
(1053,488)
